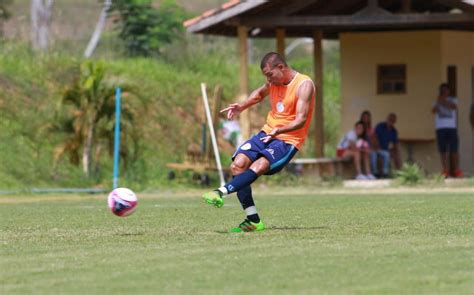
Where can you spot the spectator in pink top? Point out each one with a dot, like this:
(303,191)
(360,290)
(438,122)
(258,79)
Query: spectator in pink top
(354,146)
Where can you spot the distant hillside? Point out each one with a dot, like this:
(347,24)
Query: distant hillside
(76,19)
(30,89)
(31,85)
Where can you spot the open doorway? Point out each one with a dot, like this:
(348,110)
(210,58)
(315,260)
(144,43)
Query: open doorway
(452,80)
(451,73)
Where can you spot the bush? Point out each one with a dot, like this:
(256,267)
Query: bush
(145,29)
(410,174)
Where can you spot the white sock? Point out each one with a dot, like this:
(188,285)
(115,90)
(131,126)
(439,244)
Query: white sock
(251,210)
(223,190)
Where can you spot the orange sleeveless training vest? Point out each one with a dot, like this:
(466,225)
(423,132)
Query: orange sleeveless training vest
(283,100)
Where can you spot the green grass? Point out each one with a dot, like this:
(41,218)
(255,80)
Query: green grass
(315,243)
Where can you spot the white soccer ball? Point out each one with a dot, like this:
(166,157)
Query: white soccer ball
(122,201)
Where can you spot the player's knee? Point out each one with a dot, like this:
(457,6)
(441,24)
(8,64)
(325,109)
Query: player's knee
(261,166)
(238,166)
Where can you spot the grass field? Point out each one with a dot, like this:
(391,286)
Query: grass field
(315,243)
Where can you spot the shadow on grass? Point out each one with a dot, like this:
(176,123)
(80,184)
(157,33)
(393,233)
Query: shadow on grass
(297,228)
(286,228)
(130,234)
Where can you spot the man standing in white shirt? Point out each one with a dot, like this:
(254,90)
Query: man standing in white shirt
(445,110)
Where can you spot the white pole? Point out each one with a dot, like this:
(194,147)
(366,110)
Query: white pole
(297,43)
(98,29)
(213,135)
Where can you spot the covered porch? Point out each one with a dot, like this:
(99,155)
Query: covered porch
(324,19)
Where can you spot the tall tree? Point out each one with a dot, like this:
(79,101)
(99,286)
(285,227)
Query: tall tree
(41,13)
(146,29)
(98,29)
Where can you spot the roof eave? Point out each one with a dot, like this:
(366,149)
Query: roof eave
(221,16)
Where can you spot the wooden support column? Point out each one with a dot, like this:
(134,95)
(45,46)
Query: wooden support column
(280,41)
(372,3)
(406,6)
(244,118)
(318,108)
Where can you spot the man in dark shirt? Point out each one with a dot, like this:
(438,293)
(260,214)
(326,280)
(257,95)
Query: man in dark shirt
(388,146)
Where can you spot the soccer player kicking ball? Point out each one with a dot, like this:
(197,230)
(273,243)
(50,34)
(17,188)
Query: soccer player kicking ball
(292,102)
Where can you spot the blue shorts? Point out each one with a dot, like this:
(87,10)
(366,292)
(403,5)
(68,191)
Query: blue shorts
(448,140)
(277,152)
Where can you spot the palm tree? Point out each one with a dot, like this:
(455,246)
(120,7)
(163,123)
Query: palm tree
(87,116)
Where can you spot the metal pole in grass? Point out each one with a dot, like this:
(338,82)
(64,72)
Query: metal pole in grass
(118,94)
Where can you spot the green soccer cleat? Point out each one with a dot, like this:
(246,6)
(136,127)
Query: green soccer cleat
(248,226)
(213,198)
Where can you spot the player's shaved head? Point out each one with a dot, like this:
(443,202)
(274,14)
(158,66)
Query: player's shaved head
(272,59)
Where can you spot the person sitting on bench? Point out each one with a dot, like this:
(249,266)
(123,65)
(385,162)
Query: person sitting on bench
(354,145)
(388,146)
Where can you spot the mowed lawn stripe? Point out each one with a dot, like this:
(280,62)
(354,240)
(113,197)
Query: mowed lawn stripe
(314,244)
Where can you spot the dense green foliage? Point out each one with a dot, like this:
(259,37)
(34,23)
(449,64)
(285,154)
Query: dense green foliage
(86,118)
(410,173)
(32,89)
(44,93)
(33,86)
(146,29)
(173,244)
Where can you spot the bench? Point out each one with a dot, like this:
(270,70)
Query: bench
(320,168)
(411,142)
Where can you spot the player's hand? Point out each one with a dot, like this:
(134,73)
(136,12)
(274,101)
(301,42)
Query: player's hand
(233,110)
(270,135)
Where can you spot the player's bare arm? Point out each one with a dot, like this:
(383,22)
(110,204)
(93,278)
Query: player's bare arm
(305,93)
(255,97)
(443,101)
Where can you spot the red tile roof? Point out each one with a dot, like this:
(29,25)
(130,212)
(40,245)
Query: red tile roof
(211,12)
